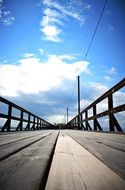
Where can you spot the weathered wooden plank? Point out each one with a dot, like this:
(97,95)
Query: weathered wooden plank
(110,143)
(116,141)
(107,152)
(74,167)
(16,136)
(120,138)
(26,169)
(13,147)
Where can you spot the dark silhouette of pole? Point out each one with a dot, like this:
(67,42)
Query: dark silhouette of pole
(79,103)
(67,115)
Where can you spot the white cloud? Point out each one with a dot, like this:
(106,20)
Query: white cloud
(84,103)
(87,6)
(69,10)
(112,71)
(119,98)
(56,118)
(41,51)
(66,57)
(94,91)
(98,89)
(54,16)
(51,16)
(32,76)
(6,17)
(108,78)
(51,33)
(0,10)
(27,55)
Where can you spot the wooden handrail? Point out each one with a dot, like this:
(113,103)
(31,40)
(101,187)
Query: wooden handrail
(113,123)
(36,125)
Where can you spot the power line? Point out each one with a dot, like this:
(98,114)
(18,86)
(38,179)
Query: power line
(91,41)
(96,28)
(94,33)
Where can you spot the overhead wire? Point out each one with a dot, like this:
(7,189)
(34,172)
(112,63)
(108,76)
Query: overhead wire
(90,43)
(99,20)
(94,33)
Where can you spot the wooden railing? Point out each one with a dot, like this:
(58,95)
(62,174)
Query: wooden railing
(32,122)
(80,123)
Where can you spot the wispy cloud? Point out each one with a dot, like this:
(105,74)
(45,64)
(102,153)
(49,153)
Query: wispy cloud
(55,118)
(107,78)
(41,51)
(112,71)
(6,17)
(67,57)
(28,55)
(52,33)
(1,8)
(55,14)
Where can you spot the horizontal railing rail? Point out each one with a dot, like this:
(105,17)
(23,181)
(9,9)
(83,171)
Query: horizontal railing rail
(78,121)
(36,123)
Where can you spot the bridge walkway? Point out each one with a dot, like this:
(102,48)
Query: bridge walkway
(63,160)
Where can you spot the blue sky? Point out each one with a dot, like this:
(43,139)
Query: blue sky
(42,49)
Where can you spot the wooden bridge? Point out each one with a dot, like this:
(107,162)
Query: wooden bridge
(38,157)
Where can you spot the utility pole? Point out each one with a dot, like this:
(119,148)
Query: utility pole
(67,115)
(79,126)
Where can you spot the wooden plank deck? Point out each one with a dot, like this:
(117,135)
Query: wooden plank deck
(26,168)
(109,148)
(62,160)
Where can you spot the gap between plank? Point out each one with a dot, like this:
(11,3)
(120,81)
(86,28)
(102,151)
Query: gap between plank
(46,173)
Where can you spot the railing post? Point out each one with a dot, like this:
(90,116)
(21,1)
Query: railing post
(86,122)
(37,126)
(28,122)
(82,126)
(20,126)
(75,121)
(94,114)
(112,120)
(33,126)
(43,124)
(9,118)
(110,106)
(21,120)
(95,121)
(40,124)
(87,125)
(7,124)
(34,122)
